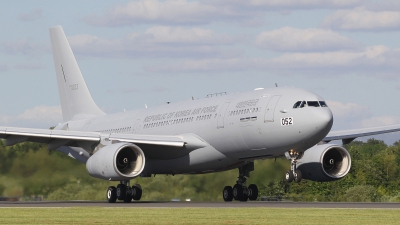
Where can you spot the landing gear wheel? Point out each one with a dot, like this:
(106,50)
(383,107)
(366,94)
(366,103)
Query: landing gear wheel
(111,194)
(245,194)
(297,176)
(128,199)
(136,192)
(227,194)
(253,192)
(237,192)
(289,176)
(128,196)
(121,191)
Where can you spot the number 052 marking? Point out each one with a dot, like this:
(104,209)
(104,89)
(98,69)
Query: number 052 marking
(287,121)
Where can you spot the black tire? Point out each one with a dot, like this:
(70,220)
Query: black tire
(289,176)
(136,192)
(245,194)
(237,192)
(227,194)
(253,192)
(128,199)
(298,176)
(111,194)
(121,191)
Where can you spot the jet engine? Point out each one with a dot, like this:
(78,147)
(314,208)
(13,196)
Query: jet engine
(120,161)
(326,162)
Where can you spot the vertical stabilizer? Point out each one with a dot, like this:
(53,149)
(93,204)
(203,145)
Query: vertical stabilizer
(76,101)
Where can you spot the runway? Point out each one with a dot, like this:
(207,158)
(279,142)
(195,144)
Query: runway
(155,204)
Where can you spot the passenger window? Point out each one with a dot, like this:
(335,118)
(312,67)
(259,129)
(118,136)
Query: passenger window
(323,104)
(303,104)
(297,104)
(312,103)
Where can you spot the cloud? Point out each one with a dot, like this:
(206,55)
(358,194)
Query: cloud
(369,57)
(379,61)
(362,19)
(380,121)
(205,65)
(162,12)
(347,110)
(184,12)
(289,39)
(39,116)
(30,16)
(29,66)
(24,47)
(302,4)
(156,41)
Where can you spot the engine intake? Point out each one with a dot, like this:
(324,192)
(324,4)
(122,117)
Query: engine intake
(119,161)
(325,162)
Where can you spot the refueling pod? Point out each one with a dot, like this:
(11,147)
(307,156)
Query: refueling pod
(120,161)
(326,162)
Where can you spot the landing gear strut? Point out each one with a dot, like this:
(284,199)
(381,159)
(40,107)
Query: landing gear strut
(293,174)
(239,191)
(124,192)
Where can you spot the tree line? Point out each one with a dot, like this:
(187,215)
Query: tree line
(29,169)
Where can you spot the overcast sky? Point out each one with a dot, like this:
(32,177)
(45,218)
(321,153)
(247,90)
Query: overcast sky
(133,53)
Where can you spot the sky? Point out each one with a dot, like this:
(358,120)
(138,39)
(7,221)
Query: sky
(133,53)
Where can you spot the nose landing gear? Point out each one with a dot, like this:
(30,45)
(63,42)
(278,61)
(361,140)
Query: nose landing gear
(124,192)
(293,174)
(240,192)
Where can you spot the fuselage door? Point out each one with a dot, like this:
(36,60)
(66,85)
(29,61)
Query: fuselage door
(136,126)
(269,111)
(221,115)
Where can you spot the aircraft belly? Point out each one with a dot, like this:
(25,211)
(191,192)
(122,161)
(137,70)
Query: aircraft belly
(201,160)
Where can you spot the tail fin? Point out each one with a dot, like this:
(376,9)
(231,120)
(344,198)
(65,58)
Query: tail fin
(76,101)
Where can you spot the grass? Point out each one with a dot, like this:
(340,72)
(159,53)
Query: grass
(97,215)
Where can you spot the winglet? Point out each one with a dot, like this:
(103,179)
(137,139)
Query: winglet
(76,101)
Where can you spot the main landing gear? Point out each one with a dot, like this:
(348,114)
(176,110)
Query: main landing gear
(124,192)
(239,191)
(293,174)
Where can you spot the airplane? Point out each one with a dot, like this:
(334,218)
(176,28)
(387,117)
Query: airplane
(217,133)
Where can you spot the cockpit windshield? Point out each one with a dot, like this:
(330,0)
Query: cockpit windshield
(302,104)
(323,104)
(313,103)
(297,104)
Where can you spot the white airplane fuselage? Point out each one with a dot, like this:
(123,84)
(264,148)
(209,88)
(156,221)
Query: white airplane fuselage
(234,128)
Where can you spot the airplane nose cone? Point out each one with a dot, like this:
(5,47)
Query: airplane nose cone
(324,121)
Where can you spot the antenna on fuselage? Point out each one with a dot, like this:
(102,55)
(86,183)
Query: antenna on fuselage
(276,84)
(145,105)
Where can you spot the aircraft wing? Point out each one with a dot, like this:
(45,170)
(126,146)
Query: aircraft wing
(348,136)
(58,138)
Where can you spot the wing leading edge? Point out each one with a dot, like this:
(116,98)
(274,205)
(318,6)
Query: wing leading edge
(348,136)
(57,138)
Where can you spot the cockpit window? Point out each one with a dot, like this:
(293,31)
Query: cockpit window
(313,103)
(297,104)
(323,104)
(303,104)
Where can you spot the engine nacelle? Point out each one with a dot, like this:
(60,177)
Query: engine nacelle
(120,161)
(325,162)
